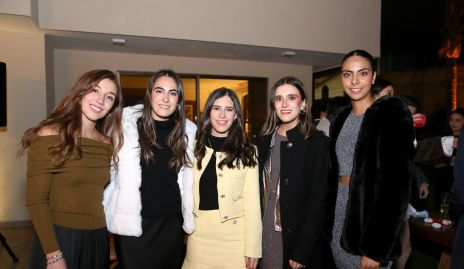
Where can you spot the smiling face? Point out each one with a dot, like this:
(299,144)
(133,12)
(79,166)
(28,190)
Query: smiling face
(456,122)
(164,98)
(357,78)
(98,102)
(288,105)
(222,116)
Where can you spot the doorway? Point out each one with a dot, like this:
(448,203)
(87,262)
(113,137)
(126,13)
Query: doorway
(251,91)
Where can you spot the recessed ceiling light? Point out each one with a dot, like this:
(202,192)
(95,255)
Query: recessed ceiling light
(119,41)
(288,53)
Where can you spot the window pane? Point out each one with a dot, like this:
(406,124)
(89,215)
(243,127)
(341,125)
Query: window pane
(190,98)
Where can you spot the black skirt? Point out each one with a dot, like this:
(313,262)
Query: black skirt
(161,245)
(82,249)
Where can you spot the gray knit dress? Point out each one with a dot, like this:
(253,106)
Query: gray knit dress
(345,148)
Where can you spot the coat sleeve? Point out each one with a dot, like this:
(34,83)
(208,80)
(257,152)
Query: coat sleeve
(316,171)
(457,190)
(121,198)
(391,181)
(187,201)
(187,181)
(252,213)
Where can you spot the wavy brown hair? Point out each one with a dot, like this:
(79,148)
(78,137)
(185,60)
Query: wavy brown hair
(66,118)
(236,147)
(304,125)
(146,125)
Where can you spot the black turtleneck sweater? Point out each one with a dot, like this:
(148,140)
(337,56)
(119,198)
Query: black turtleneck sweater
(159,190)
(208,180)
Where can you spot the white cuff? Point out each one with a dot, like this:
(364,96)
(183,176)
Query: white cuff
(447,145)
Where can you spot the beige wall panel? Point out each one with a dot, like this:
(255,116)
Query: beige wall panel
(16,7)
(320,25)
(24,55)
(70,64)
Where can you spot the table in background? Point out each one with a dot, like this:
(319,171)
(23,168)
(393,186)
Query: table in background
(443,237)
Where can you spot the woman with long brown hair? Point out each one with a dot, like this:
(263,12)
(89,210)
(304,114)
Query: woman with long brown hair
(150,189)
(68,167)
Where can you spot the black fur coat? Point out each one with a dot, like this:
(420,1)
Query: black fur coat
(380,180)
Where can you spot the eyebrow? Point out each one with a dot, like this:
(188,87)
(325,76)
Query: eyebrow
(362,69)
(224,106)
(290,94)
(161,88)
(96,86)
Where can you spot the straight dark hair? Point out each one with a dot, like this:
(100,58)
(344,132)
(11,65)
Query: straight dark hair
(305,123)
(146,125)
(364,54)
(237,148)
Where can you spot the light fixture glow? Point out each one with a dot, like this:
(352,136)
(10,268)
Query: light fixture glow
(288,53)
(119,41)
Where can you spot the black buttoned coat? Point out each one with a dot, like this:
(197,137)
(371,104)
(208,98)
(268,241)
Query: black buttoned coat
(303,187)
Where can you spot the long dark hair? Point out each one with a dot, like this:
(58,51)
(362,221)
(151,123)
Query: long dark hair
(236,147)
(67,119)
(304,125)
(146,125)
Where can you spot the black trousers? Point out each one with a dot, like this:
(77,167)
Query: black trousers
(161,245)
(82,249)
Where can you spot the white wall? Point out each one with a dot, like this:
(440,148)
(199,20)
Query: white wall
(335,26)
(23,53)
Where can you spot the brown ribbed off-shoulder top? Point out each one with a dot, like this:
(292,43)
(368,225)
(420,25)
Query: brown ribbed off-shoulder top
(70,195)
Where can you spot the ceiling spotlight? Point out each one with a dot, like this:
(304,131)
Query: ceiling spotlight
(288,53)
(119,41)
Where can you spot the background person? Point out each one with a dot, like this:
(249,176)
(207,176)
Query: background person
(457,206)
(382,87)
(333,105)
